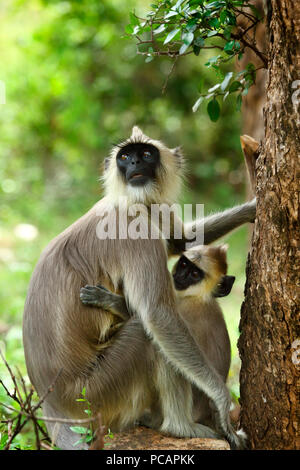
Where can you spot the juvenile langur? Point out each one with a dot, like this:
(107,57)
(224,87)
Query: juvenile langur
(119,376)
(199,276)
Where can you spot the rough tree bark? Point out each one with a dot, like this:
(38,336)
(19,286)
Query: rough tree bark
(270,328)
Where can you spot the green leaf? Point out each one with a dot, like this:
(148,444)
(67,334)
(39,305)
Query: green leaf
(229,46)
(171,35)
(188,38)
(223,16)
(230,19)
(197,104)
(199,41)
(178,4)
(149,59)
(170,14)
(160,29)
(226,80)
(213,109)
(211,33)
(214,88)
(238,102)
(214,22)
(235,86)
(191,25)
(227,33)
(134,20)
(79,429)
(129,29)
(196,50)
(80,441)
(183,48)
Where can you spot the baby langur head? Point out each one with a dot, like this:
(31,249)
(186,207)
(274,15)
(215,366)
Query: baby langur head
(143,170)
(202,271)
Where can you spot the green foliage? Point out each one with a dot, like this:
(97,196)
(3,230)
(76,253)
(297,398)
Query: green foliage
(87,433)
(191,26)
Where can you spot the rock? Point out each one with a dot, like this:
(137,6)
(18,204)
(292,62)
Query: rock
(142,438)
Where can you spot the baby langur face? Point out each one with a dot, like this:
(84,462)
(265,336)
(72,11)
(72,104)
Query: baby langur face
(186,274)
(202,271)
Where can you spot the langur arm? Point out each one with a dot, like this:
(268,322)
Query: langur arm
(214,226)
(99,296)
(218,225)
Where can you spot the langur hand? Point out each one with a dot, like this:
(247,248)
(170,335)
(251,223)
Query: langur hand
(95,296)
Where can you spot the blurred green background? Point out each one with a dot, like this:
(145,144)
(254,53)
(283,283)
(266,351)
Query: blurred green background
(74,86)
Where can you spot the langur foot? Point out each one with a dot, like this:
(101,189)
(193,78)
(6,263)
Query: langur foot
(150,420)
(190,430)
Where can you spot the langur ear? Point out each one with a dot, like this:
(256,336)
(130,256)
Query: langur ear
(137,134)
(177,152)
(224,248)
(221,255)
(224,287)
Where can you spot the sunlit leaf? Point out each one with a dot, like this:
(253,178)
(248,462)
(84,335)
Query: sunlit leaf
(171,35)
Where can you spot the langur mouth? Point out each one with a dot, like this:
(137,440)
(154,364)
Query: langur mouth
(138,179)
(178,285)
(137,175)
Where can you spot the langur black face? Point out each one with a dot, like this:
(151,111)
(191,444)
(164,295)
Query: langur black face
(138,163)
(186,274)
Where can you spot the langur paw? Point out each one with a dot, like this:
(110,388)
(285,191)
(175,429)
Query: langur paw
(90,295)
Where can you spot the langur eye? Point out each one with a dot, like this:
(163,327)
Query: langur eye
(195,274)
(147,154)
(124,156)
(183,264)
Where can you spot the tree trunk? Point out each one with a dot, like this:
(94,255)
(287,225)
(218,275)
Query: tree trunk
(270,328)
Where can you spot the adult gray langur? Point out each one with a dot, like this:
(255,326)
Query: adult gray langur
(121,374)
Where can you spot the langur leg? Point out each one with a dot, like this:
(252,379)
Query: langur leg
(176,400)
(202,412)
(116,384)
